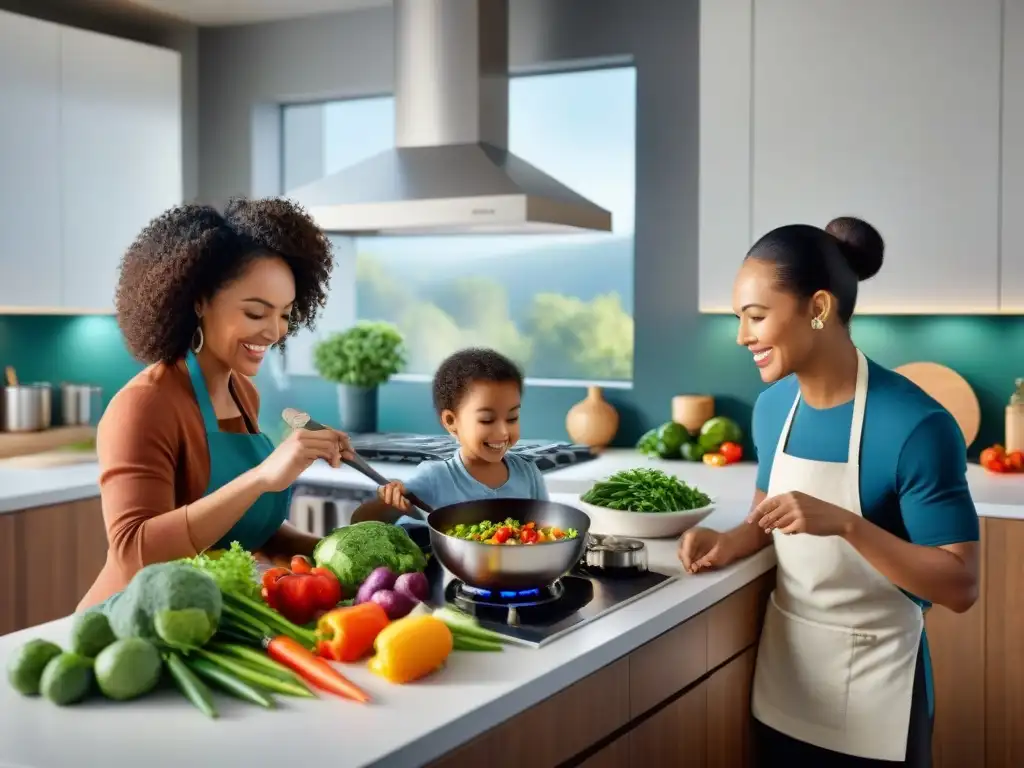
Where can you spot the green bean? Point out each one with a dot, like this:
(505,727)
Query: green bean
(229,683)
(257,677)
(190,685)
(256,659)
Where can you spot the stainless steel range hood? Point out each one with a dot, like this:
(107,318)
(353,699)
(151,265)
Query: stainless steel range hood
(451,171)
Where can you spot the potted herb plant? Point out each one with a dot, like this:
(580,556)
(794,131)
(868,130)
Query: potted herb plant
(359,360)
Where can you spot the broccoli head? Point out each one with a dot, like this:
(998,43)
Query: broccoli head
(171,604)
(354,551)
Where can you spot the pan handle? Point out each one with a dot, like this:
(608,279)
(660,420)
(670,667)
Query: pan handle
(359,464)
(296,419)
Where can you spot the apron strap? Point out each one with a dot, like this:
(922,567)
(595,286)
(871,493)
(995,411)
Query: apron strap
(784,435)
(860,397)
(202,393)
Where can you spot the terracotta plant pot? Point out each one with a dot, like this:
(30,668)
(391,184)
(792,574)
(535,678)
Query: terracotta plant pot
(593,421)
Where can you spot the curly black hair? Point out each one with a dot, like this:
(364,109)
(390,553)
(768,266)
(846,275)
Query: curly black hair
(190,252)
(460,369)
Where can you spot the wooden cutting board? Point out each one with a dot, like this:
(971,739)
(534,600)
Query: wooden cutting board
(952,392)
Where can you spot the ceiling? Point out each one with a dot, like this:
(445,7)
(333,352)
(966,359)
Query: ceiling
(227,12)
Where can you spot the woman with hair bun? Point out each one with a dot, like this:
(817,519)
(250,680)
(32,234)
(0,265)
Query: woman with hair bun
(862,490)
(202,297)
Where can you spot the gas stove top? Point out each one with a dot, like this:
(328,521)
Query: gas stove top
(535,617)
(412,449)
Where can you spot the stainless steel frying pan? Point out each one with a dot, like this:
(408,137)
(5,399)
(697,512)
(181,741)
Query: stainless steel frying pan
(489,566)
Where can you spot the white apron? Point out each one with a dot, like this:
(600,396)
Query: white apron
(838,652)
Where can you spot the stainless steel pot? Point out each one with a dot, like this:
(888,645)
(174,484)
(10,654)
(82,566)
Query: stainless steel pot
(496,567)
(28,407)
(80,405)
(615,554)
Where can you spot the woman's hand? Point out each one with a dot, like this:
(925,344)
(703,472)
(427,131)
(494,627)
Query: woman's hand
(296,454)
(799,513)
(703,549)
(393,494)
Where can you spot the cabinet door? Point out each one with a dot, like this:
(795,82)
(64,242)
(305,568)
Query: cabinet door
(30,237)
(888,111)
(1012,252)
(729,742)
(121,155)
(10,589)
(1004,627)
(674,735)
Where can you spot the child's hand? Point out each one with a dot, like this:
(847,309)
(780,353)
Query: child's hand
(393,494)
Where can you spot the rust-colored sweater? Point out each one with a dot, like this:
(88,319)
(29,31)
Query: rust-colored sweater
(154,462)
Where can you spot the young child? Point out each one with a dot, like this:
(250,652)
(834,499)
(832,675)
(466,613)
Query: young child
(477,394)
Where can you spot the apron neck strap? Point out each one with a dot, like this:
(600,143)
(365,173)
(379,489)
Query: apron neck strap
(860,396)
(195,373)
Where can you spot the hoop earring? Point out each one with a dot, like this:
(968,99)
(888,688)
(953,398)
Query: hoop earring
(817,324)
(197,340)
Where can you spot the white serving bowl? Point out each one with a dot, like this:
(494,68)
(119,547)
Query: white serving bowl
(643,525)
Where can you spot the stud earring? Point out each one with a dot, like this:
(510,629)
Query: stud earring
(817,324)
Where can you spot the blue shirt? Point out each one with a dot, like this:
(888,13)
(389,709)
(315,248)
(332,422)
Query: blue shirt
(913,460)
(440,483)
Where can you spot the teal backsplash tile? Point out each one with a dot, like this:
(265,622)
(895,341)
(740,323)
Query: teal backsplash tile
(987,351)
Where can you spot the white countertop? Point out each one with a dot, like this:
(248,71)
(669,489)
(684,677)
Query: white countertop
(24,488)
(405,726)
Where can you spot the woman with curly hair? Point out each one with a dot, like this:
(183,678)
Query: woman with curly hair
(202,296)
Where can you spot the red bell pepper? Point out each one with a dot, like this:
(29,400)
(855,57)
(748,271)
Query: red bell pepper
(347,634)
(300,597)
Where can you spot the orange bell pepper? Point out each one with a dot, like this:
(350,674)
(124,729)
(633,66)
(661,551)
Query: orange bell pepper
(348,634)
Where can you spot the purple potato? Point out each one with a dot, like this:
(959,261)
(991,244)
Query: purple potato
(379,578)
(395,604)
(414,586)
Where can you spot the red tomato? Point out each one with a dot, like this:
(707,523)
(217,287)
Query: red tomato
(993,459)
(1015,461)
(502,535)
(733,452)
(528,536)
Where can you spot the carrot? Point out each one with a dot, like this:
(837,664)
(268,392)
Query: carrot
(317,671)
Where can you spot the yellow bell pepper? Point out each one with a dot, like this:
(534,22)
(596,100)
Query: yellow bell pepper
(411,648)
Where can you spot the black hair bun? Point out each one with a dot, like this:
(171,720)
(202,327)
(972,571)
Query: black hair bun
(861,244)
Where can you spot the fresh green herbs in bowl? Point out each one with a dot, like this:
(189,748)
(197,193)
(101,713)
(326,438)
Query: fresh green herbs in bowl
(645,503)
(645,490)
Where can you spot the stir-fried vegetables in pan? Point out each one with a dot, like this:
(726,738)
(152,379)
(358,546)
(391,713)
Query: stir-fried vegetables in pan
(511,532)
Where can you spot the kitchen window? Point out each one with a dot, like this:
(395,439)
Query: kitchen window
(560,305)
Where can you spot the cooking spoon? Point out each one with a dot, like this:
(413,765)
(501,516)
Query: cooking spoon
(296,419)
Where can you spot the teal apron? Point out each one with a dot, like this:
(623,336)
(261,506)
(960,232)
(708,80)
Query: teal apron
(233,454)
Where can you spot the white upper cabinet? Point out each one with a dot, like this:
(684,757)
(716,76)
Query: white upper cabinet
(884,110)
(1012,251)
(30,235)
(120,145)
(725,83)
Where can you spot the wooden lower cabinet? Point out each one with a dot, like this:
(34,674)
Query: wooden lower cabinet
(1004,643)
(9,594)
(978,661)
(680,701)
(49,557)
